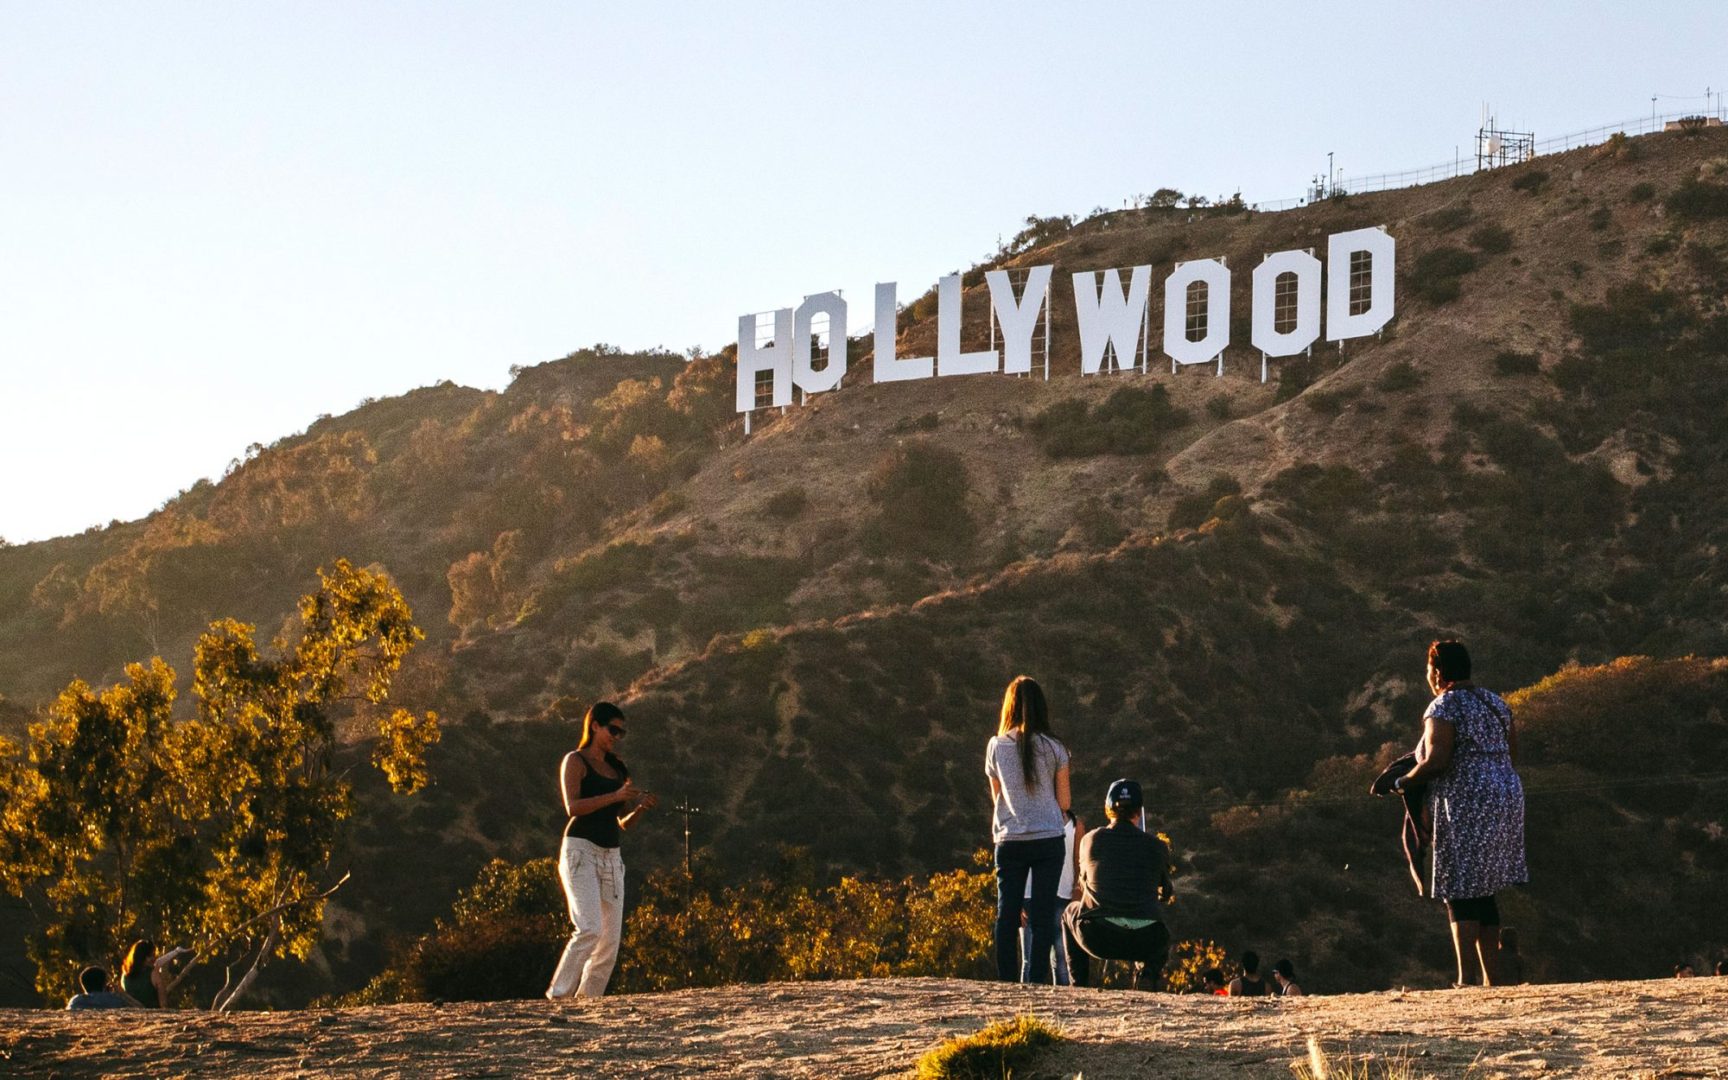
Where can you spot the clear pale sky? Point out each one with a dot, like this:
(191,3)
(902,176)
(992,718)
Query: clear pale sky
(219,220)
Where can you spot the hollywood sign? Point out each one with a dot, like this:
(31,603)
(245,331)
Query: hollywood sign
(1113,320)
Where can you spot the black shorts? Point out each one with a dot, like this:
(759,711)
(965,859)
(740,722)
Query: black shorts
(1476,909)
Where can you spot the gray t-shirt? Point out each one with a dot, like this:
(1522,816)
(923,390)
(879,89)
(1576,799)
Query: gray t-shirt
(1025,812)
(101,999)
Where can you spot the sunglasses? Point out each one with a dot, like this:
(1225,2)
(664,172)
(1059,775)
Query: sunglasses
(617,732)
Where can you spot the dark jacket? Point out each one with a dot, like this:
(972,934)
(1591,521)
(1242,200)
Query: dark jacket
(1418,829)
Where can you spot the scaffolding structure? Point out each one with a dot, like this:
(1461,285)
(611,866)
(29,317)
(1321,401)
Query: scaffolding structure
(1017,277)
(1496,147)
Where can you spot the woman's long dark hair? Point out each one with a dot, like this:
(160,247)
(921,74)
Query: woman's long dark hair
(599,715)
(138,957)
(1024,710)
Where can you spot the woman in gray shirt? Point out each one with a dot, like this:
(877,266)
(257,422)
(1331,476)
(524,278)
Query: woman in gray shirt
(1028,771)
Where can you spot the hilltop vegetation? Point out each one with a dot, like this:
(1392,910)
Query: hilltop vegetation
(1226,585)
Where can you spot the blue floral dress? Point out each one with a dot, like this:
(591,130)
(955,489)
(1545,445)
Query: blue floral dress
(1478,803)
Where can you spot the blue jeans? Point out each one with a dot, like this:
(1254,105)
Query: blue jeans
(1060,950)
(1015,859)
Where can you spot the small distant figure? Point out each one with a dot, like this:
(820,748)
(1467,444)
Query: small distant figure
(1124,876)
(1683,970)
(1284,973)
(93,982)
(148,977)
(1250,983)
(1212,983)
(1722,967)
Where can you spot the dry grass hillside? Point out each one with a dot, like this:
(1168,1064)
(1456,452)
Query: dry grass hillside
(878,1028)
(1226,585)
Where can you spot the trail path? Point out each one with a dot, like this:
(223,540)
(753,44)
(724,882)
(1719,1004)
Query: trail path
(1669,1028)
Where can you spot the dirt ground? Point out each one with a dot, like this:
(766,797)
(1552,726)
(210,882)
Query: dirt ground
(1670,1028)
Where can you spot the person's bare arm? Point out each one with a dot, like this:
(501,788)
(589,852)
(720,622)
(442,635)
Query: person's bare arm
(646,801)
(1438,738)
(1063,795)
(995,790)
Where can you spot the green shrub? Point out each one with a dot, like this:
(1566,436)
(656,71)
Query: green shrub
(1437,275)
(1698,200)
(1325,402)
(1221,498)
(1509,362)
(1601,218)
(1218,407)
(1531,181)
(1398,377)
(1132,420)
(500,942)
(1641,192)
(786,504)
(1190,512)
(922,490)
(1000,1050)
(1634,316)
(1491,239)
(1661,244)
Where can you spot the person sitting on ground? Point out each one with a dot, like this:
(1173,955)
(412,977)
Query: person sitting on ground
(1683,970)
(93,984)
(1284,972)
(1212,982)
(1249,983)
(148,977)
(1722,967)
(1124,876)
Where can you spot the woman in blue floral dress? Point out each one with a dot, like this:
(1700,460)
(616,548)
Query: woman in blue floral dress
(1477,805)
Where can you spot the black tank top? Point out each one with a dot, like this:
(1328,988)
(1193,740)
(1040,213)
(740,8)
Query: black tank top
(601,827)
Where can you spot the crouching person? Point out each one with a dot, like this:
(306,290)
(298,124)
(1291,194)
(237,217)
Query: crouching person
(1124,876)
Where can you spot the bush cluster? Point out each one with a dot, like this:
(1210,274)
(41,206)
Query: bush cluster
(1491,239)
(1698,200)
(921,490)
(1531,181)
(1437,275)
(1132,420)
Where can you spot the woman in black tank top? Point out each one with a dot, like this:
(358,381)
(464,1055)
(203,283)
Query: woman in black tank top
(601,802)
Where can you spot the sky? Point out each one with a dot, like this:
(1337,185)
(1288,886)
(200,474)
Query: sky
(221,220)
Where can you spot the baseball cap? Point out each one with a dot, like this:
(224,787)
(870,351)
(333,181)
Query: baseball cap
(1124,795)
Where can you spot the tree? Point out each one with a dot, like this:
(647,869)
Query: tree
(1165,198)
(118,821)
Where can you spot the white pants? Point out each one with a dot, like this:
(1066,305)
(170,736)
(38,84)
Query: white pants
(593,879)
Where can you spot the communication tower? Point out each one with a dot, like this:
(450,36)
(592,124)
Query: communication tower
(1496,147)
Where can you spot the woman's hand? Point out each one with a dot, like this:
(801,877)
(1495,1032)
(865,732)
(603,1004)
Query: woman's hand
(626,791)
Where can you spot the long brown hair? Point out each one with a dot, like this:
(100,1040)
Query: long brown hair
(599,714)
(138,956)
(1024,710)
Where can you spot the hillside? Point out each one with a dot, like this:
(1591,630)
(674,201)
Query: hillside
(1225,585)
(879,1027)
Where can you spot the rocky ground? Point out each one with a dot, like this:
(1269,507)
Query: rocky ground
(1669,1028)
